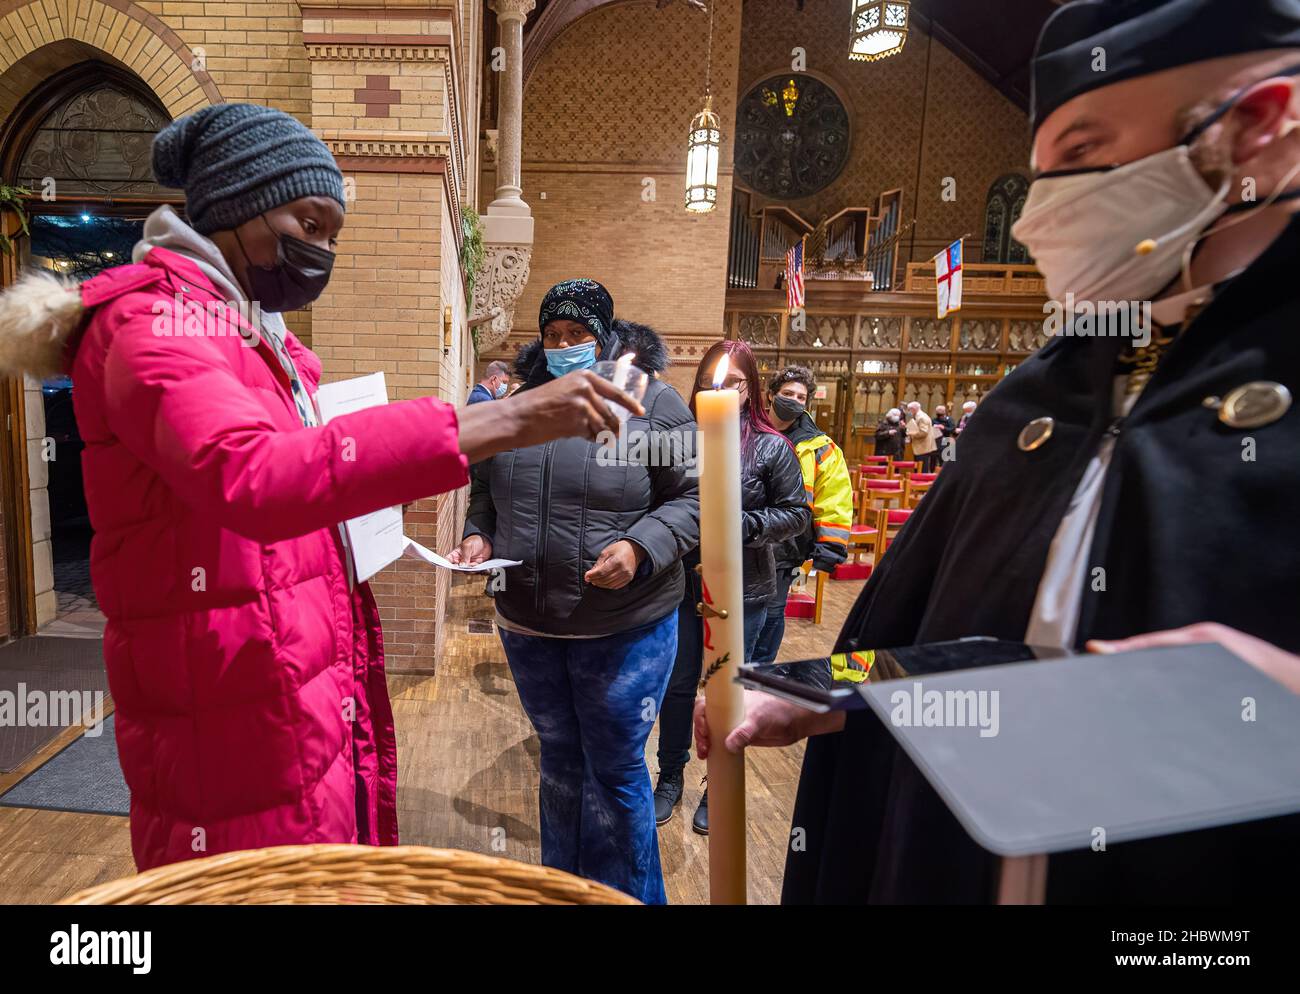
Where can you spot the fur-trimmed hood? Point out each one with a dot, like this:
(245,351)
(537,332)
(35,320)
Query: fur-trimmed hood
(41,314)
(39,318)
(651,352)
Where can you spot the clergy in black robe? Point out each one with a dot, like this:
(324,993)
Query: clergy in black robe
(1197,504)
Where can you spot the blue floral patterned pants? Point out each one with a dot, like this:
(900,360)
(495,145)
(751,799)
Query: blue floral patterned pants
(593,703)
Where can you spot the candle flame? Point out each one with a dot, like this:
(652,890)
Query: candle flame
(720,371)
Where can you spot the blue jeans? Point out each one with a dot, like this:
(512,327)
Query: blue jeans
(675,717)
(769,639)
(593,703)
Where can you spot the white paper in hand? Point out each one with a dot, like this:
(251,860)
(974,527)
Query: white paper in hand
(375,538)
(414,550)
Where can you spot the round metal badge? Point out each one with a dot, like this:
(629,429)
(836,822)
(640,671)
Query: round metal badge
(1253,405)
(1034,434)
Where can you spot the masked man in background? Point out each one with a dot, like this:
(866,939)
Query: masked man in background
(829,489)
(1168,461)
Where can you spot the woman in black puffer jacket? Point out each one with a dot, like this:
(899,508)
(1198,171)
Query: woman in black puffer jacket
(774,508)
(589,619)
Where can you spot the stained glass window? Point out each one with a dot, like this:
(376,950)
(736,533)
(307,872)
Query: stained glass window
(97,142)
(1006,199)
(792,136)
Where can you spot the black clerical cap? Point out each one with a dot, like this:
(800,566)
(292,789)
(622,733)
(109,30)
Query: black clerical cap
(1140,37)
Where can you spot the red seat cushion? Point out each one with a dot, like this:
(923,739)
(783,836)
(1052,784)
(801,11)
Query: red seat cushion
(851,571)
(863,530)
(801,606)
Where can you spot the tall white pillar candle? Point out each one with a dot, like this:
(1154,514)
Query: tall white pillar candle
(717,412)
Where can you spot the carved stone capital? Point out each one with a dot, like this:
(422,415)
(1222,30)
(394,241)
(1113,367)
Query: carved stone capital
(498,286)
(512,10)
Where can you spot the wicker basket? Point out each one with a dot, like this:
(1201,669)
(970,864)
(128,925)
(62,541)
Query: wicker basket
(345,874)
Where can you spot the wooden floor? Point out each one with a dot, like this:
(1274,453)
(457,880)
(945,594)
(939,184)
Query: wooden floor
(468,771)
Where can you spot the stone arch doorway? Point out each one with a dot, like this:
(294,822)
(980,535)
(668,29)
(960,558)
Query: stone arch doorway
(43,37)
(79,143)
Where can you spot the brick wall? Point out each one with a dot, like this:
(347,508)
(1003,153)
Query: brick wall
(253,50)
(190,53)
(383,310)
(607,109)
(389,277)
(383,95)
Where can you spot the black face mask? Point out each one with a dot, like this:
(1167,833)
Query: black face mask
(298,277)
(786,408)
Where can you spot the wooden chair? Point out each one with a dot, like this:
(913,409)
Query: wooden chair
(905,467)
(802,604)
(888,523)
(916,486)
(862,538)
(874,471)
(884,460)
(881,493)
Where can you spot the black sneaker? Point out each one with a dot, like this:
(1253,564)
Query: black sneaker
(700,823)
(668,794)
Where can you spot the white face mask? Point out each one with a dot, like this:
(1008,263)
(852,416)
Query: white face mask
(1119,233)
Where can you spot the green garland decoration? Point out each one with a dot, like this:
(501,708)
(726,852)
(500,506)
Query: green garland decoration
(11,197)
(471,250)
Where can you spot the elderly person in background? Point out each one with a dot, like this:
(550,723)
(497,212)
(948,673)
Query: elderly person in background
(920,432)
(943,421)
(891,436)
(967,409)
(494,385)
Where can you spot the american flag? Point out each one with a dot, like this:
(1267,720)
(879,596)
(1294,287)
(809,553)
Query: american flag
(794,276)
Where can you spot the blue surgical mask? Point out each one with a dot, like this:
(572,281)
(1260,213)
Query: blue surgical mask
(500,391)
(561,361)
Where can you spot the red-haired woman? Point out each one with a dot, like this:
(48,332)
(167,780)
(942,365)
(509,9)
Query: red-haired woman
(774,508)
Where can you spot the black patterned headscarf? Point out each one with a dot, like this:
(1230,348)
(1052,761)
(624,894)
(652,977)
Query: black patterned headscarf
(584,301)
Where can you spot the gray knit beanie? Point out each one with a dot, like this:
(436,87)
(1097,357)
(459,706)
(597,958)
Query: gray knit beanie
(235,161)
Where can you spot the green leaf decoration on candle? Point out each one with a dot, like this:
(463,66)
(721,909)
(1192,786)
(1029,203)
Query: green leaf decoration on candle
(716,665)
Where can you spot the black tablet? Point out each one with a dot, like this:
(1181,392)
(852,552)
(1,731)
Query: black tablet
(829,683)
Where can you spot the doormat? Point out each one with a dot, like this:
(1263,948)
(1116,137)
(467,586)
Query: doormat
(85,778)
(45,684)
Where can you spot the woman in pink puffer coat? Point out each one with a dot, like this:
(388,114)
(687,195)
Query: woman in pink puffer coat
(245,665)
